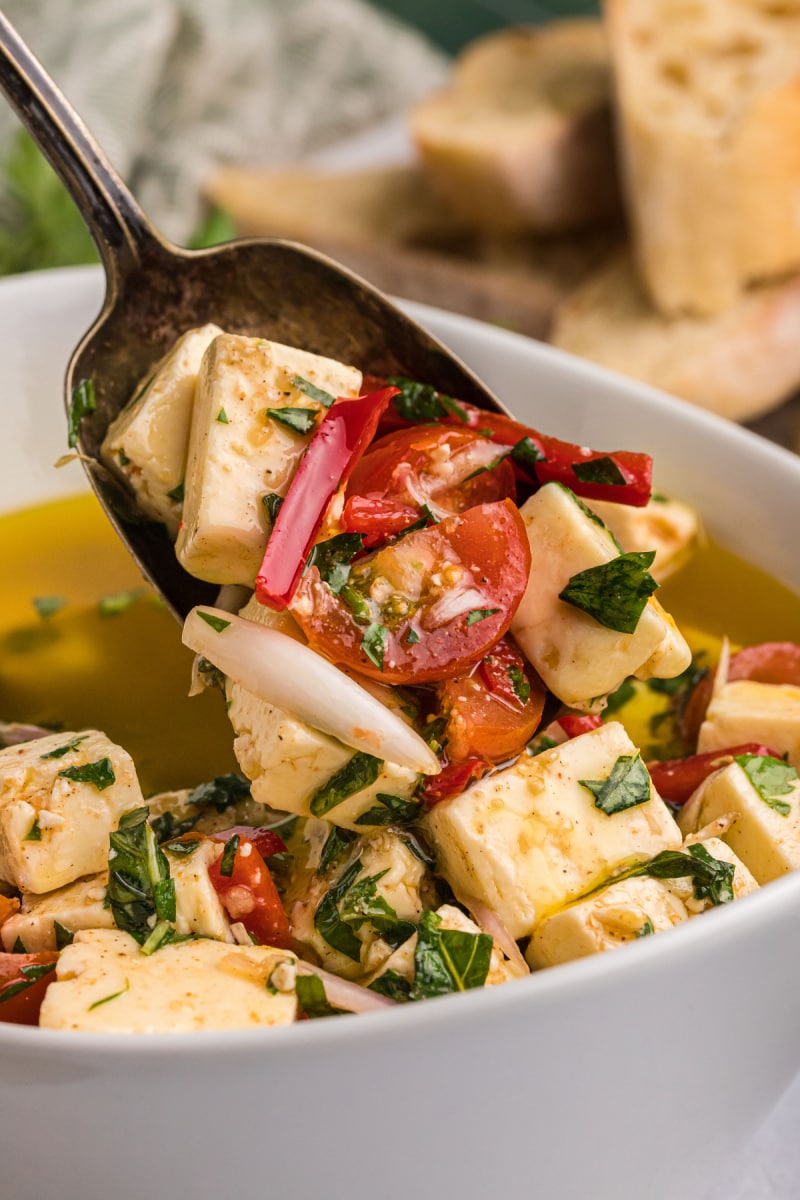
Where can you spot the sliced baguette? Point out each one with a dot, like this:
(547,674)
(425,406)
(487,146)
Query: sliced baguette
(708,106)
(522,138)
(738,364)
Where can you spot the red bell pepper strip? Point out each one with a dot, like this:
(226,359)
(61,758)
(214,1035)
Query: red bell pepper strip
(342,437)
(249,895)
(453,780)
(377,518)
(677,778)
(574,726)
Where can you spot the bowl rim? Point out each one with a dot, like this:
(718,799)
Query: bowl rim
(585,976)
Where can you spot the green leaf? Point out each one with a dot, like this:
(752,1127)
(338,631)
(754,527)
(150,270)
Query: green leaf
(616,700)
(312,999)
(712,878)
(627,785)
(329,924)
(118,602)
(391,810)
(100,774)
(526,454)
(337,843)
(47,606)
(222,417)
(363,903)
(19,946)
(64,937)
(448,960)
(646,929)
(373,643)
(299,420)
(216,623)
(180,848)
(538,745)
(489,466)
(178,492)
(420,402)
(480,614)
(599,470)
(715,884)
(164,934)
(140,890)
(771,777)
(82,404)
(522,689)
(272,503)
(113,996)
(229,856)
(393,985)
(332,558)
(359,772)
(31,974)
(357,604)
(412,637)
(313,392)
(223,791)
(216,226)
(67,748)
(614,593)
(34,834)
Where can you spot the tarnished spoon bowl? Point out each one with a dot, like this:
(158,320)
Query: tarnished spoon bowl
(156,291)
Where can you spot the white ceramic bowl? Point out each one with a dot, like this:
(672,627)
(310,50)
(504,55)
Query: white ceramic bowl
(621,1077)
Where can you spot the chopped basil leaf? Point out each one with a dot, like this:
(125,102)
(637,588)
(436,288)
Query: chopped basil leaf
(229,856)
(100,774)
(659,498)
(489,466)
(123,459)
(164,934)
(717,884)
(19,946)
(222,792)
(522,689)
(412,637)
(625,692)
(393,985)
(526,454)
(222,417)
(113,996)
(34,834)
(140,889)
(391,810)
(373,643)
(646,929)
(313,392)
(47,606)
(337,843)
(614,593)
(433,733)
(410,842)
(83,403)
(333,557)
(272,503)
(359,772)
(363,903)
(179,848)
(299,420)
(538,745)
(329,924)
(216,623)
(480,614)
(357,604)
(627,785)
(117,602)
(448,960)
(712,878)
(685,682)
(599,470)
(31,974)
(64,937)
(420,402)
(177,492)
(312,1000)
(67,748)
(771,777)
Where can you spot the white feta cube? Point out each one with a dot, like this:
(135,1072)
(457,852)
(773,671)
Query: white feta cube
(528,840)
(104,984)
(79,905)
(198,906)
(746,711)
(579,659)
(60,798)
(146,444)
(237,454)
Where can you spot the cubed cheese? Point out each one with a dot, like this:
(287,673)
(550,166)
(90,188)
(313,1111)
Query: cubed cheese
(403,881)
(146,445)
(745,711)
(288,762)
(198,906)
(237,454)
(667,526)
(104,984)
(529,839)
(615,916)
(79,905)
(579,659)
(54,829)
(764,835)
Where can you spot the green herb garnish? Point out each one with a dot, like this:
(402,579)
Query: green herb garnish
(627,785)
(373,643)
(599,470)
(412,637)
(329,924)
(64,937)
(100,774)
(272,503)
(222,417)
(646,929)
(113,996)
(359,772)
(82,404)
(67,748)
(712,878)
(538,745)
(420,402)
(216,623)
(31,974)
(625,692)
(448,960)
(140,889)
(312,1000)
(771,777)
(229,856)
(337,843)
(299,420)
(522,689)
(19,946)
(526,454)
(391,810)
(118,602)
(333,557)
(489,466)
(47,606)
(480,614)
(313,392)
(178,492)
(34,834)
(222,792)
(392,984)
(614,593)
(363,903)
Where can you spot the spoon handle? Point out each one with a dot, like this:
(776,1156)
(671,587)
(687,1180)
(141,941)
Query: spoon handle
(123,234)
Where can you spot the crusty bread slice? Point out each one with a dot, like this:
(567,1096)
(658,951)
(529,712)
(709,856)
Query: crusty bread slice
(522,138)
(708,104)
(739,364)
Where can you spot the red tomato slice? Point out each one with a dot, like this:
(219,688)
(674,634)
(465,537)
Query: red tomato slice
(574,725)
(768,662)
(427,607)
(494,711)
(24,979)
(441,466)
(249,895)
(453,780)
(376,518)
(266,841)
(677,778)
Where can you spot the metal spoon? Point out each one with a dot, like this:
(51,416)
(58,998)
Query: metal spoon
(155,291)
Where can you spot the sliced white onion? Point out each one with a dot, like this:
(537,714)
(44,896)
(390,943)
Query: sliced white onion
(294,678)
(723,667)
(12,733)
(491,923)
(341,993)
(455,602)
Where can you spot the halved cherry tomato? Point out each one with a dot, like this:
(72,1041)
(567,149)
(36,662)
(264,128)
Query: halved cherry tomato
(8,906)
(493,711)
(677,778)
(574,725)
(768,662)
(447,468)
(266,841)
(24,979)
(453,780)
(249,895)
(376,518)
(424,608)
